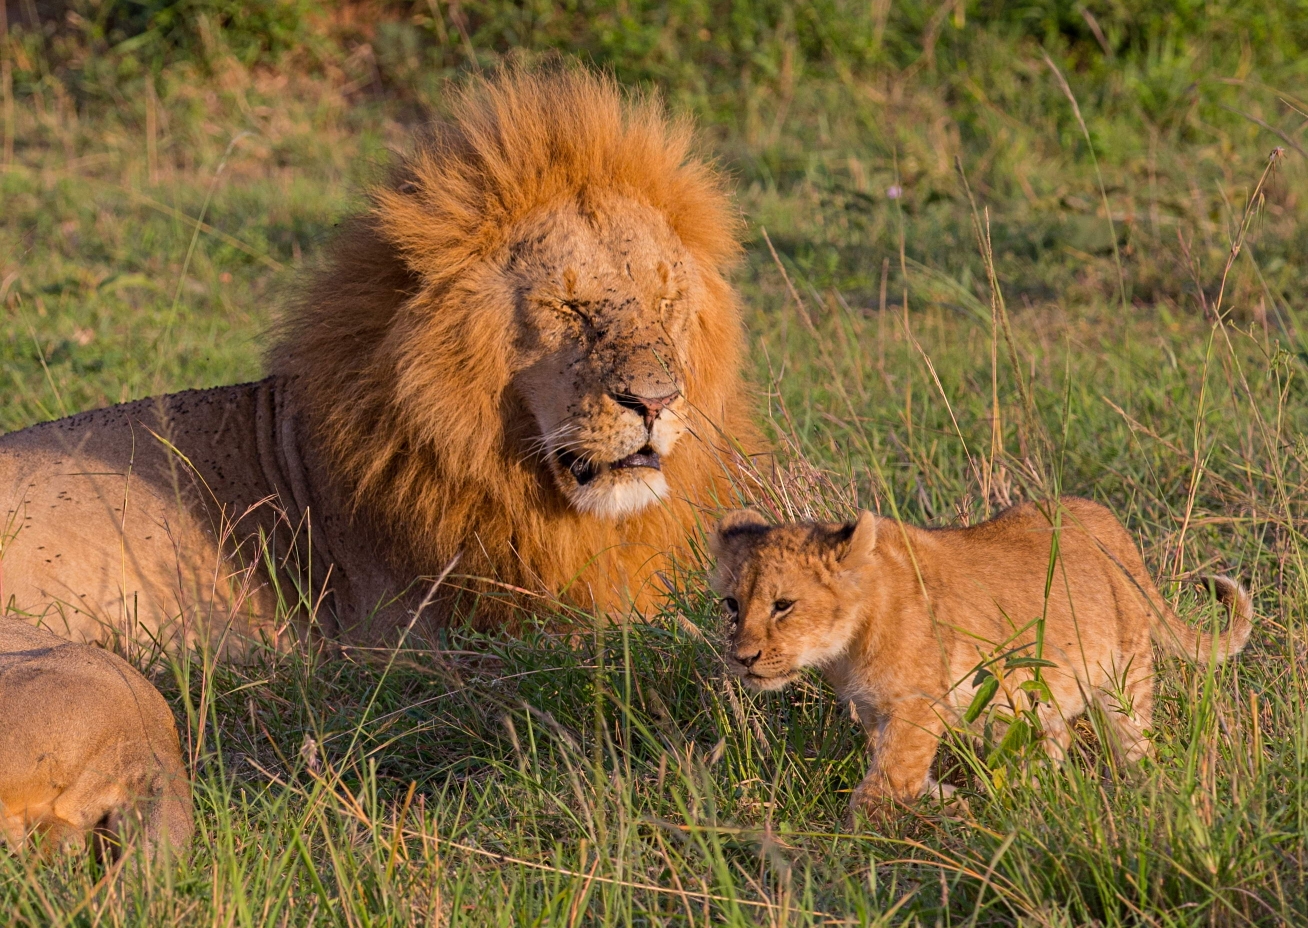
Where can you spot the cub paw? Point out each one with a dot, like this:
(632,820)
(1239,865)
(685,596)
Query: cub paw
(947,798)
(873,806)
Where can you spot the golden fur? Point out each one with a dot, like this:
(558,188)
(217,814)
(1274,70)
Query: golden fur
(525,354)
(900,619)
(86,744)
(546,245)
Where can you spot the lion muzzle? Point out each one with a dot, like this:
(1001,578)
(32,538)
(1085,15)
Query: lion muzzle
(649,408)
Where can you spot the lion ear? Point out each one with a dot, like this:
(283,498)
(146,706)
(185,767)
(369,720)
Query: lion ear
(736,522)
(856,541)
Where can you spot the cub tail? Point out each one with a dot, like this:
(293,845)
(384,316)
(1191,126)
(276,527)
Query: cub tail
(1183,640)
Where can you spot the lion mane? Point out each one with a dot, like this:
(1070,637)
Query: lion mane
(524,355)
(400,362)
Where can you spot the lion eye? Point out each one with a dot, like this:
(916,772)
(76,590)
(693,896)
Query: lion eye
(577,309)
(782,605)
(732,606)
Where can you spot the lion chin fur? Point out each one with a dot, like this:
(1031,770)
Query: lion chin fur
(625,499)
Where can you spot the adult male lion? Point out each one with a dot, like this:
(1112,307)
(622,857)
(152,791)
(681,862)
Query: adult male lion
(524,354)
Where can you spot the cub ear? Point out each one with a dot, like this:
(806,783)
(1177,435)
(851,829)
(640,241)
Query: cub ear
(737,522)
(857,540)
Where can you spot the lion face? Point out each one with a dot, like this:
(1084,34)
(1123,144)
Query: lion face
(603,294)
(527,350)
(790,593)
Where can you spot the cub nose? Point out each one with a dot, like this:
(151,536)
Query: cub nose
(647,407)
(748,660)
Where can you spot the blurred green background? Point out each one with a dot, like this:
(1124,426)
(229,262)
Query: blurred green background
(1027,248)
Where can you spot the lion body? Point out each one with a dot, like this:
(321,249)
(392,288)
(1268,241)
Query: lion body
(900,619)
(87,743)
(524,357)
(157,520)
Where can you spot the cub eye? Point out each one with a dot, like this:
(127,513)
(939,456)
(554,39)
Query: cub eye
(732,606)
(782,605)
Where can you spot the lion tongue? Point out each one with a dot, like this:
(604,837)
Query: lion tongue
(645,457)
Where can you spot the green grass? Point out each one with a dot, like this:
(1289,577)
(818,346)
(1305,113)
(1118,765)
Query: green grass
(620,777)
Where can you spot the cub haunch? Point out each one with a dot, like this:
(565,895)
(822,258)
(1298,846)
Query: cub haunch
(899,619)
(87,745)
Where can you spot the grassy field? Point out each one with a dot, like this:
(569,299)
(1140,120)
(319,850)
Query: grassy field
(994,252)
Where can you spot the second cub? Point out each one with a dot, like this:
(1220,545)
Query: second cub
(899,619)
(87,744)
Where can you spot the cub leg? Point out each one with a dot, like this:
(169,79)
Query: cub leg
(1129,714)
(99,790)
(1057,735)
(901,756)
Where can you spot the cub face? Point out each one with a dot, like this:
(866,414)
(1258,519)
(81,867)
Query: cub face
(791,592)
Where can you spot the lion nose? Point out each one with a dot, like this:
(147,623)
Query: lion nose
(647,407)
(748,660)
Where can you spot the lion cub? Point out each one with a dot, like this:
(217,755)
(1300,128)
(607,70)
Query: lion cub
(86,742)
(900,618)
